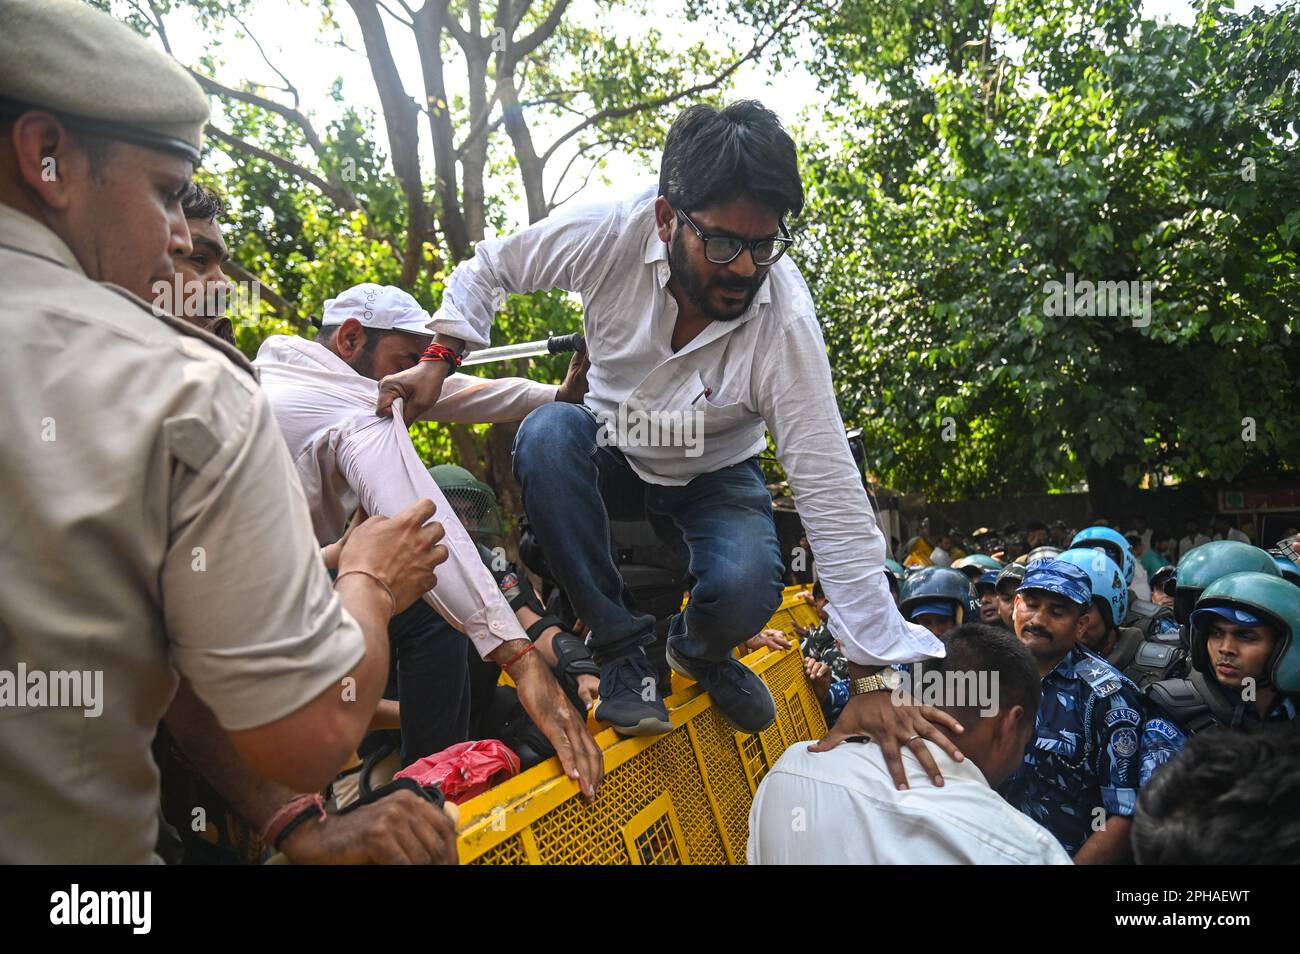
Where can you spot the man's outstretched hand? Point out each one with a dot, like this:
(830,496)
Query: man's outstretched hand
(553,713)
(893,726)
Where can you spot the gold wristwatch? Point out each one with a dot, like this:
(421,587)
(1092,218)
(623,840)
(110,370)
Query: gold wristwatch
(886,679)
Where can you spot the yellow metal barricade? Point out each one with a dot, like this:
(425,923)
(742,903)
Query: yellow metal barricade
(679,798)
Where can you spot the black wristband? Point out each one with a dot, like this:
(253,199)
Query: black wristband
(535,631)
(304,816)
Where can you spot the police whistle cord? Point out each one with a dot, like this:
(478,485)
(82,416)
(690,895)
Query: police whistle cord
(556,344)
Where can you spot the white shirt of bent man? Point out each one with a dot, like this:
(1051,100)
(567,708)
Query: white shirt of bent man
(676,415)
(152,523)
(841,808)
(345,455)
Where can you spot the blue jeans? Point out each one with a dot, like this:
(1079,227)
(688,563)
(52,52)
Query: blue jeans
(572,486)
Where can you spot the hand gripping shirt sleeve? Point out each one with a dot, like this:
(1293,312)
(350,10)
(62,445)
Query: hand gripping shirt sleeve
(380,464)
(254,622)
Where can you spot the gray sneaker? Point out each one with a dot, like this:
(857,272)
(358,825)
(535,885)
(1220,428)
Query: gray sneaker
(741,697)
(629,698)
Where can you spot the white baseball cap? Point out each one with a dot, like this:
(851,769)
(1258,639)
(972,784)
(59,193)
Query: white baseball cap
(377,306)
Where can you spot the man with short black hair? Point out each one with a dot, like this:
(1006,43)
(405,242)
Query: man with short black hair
(1229,799)
(842,807)
(1007,583)
(694,317)
(201,294)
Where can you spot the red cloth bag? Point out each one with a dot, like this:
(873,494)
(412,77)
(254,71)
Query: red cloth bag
(465,769)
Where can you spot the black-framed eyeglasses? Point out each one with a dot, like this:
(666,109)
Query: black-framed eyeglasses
(725,249)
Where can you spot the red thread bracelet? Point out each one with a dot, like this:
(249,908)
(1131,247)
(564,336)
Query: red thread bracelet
(437,352)
(518,656)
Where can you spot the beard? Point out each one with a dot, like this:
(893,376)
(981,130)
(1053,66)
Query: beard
(697,290)
(363,363)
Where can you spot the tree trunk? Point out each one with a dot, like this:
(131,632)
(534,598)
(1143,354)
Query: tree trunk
(401,120)
(429,21)
(474,159)
(1108,494)
(530,166)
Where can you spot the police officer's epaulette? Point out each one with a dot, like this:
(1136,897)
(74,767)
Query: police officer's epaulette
(1103,678)
(1180,700)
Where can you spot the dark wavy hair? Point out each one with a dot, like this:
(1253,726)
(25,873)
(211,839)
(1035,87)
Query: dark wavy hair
(200,202)
(1229,798)
(713,156)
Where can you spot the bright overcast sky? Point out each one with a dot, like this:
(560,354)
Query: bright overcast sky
(289,32)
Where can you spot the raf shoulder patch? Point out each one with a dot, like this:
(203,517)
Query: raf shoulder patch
(1107,688)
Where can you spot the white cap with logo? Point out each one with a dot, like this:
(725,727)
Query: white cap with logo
(377,306)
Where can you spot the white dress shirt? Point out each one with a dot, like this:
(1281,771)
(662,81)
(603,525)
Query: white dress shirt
(345,455)
(767,370)
(841,808)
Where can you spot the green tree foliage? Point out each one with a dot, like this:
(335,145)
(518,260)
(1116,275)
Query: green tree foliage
(518,99)
(979,151)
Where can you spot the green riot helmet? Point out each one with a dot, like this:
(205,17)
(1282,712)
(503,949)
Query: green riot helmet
(937,585)
(977,564)
(1201,566)
(472,500)
(1252,598)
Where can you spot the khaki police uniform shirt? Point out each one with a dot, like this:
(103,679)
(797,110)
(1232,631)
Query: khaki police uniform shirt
(151,523)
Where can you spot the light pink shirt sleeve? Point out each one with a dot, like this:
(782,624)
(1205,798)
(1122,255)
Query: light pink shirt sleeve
(379,462)
(467,399)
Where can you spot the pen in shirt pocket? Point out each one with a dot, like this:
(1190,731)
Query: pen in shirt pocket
(707,392)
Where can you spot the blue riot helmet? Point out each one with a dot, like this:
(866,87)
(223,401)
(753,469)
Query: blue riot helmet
(1113,543)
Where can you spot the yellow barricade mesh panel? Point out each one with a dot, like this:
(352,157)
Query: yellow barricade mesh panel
(658,844)
(786,673)
(653,837)
(798,715)
(726,776)
(654,807)
(753,758)
(690,800)
(509,852)
(578,833)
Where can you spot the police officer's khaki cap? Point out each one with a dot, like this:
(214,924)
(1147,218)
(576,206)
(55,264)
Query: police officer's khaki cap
(98,76)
